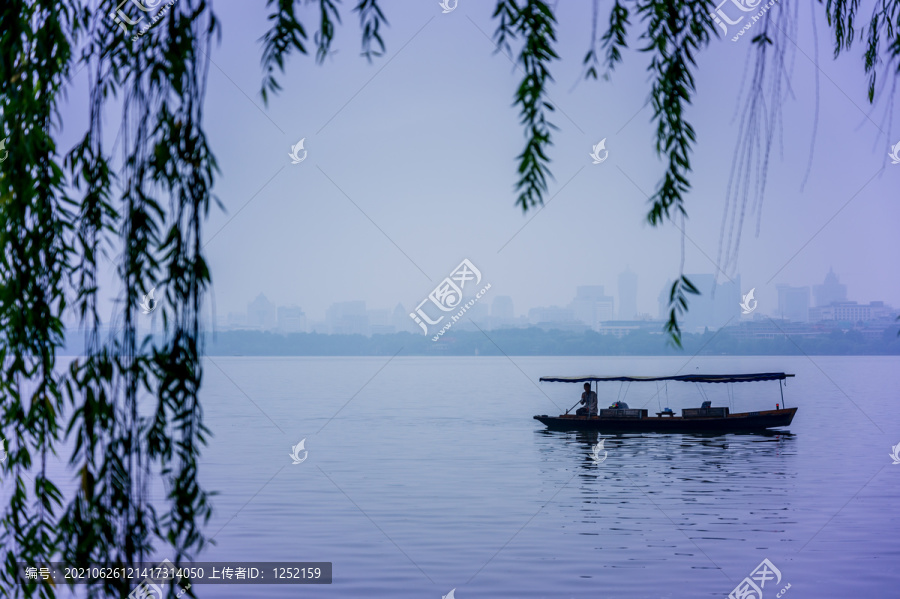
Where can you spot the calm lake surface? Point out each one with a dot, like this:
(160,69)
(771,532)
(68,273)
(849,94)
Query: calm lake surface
(429,474)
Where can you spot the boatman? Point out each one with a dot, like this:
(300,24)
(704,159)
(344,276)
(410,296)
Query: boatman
(589,398)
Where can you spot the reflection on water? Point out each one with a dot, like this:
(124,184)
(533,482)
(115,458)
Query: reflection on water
(675,472)
(658,502)
(434,476)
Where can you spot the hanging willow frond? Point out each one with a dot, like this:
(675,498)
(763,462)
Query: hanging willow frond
(535,23)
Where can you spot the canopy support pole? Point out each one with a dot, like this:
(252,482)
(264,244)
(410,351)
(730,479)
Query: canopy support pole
(781,387)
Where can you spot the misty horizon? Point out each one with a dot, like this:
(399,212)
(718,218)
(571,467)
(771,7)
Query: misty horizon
(652,314)
(409,165)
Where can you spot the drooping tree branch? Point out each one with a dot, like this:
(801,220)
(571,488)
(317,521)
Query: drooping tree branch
(50,240)
(35,217)
(535,23)
(672,37)
(760,119)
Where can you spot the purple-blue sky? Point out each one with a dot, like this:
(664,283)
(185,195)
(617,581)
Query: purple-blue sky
(411,166)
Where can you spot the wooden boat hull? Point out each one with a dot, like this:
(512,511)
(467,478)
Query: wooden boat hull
(732,423)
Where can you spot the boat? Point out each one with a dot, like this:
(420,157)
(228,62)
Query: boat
(705,419)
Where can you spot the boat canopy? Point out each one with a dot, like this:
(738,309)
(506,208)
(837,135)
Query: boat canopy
(688,378)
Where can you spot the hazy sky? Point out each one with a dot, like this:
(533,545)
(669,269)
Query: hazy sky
(411,166)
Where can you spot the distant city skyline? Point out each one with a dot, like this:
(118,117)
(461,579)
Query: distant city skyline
(642,297)
(411,168)
(590,308)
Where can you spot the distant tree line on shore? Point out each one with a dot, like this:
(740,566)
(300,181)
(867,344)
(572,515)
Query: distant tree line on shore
(539,342)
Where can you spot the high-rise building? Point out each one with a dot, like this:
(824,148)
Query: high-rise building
(718,305)
(727,303)
(401,320)
(261,313)
(592,306)
(831,291)
(627,295)
(347,318)
(291,319)
(663,301)
(502,308)
(701,308)
(793,303)
(605,311)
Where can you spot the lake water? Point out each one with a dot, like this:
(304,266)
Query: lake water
(434,476)
(429,474)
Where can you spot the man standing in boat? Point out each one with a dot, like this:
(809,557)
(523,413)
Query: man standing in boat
(589,398)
